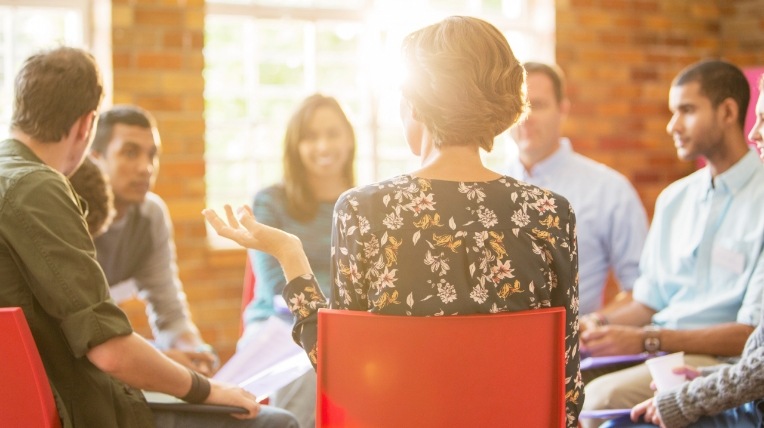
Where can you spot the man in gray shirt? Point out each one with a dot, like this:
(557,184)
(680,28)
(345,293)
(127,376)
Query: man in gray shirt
(137,251)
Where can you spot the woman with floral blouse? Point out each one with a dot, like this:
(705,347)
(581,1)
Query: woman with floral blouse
(452,237)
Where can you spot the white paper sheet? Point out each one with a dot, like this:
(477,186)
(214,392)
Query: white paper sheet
(269,361)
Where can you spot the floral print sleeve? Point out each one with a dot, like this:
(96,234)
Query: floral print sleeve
(304,299)
(419,247)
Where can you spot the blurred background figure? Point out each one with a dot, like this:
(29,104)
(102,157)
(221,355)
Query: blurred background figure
(319,149)
(611,221)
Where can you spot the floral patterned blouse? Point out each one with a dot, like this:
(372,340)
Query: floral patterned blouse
(422,247)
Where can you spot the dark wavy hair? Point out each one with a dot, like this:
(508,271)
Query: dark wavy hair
(92,185)
(463,81)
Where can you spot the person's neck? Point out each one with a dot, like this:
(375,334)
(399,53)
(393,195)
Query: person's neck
(453,163)
(328,189)
(729,154)
(52,154)
(531,158)
(121,208)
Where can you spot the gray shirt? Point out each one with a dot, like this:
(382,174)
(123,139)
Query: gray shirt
(139,248)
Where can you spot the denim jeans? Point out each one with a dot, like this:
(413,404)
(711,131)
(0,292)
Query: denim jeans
(749,415)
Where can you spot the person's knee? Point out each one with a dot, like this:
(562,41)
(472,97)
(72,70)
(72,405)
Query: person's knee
(272,417)
(600,393)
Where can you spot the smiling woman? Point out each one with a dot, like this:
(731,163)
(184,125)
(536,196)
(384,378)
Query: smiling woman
(319,148)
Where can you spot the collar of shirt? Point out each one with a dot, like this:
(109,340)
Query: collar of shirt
(12,147)
(732,180)
(545,167)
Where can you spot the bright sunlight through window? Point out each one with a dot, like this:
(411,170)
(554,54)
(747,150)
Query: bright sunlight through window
(264,56)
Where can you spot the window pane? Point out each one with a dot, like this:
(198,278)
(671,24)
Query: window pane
(258,70)
(328,4)
(30,29)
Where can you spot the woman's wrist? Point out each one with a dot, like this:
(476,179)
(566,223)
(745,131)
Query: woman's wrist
(293,259)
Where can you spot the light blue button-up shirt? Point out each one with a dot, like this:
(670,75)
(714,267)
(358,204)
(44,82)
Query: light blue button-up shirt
(610,220)
(703,262)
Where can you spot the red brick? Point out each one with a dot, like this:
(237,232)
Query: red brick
(159,60)
(159,17)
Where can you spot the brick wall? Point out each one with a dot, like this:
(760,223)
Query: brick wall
(157,64)
(742,31)
(620,57)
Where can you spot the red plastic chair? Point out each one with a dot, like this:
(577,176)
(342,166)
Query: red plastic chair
(472,370)
(26,399)
(247,292)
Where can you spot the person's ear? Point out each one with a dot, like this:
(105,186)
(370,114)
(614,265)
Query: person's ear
(565,107)
(88,124)
(729,111)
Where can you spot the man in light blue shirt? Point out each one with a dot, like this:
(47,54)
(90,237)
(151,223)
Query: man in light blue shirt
(702,270)
(610,219)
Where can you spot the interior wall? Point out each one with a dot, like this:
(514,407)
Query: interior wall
(619,55)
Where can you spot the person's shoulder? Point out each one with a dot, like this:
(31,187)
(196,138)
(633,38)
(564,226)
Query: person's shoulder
(394,183)
(33,179)
(603,173)
(153,207)
(360,196)
(272,193)
(684,185)
(529,193)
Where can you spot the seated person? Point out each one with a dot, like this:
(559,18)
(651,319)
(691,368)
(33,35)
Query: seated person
(452,237)
(611,221)
(95,363)
(717,396)
(319,146)
(702,269)
(137,250)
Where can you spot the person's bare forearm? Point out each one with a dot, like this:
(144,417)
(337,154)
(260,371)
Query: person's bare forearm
(293,260)
(134,361)
(620,300)
(630,313)
(723,340)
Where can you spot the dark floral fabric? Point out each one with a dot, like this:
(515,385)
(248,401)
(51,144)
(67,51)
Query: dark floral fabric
(421,247)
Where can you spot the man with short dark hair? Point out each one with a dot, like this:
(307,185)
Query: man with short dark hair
(94,361)
(137,251)
(702,269)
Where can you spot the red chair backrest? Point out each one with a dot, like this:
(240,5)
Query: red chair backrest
(483,370)
(247,292)
(26,399)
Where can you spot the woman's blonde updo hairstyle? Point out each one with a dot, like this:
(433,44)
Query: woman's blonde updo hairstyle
(463,81)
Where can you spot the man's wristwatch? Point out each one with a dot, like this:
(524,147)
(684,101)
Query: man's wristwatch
(652,338)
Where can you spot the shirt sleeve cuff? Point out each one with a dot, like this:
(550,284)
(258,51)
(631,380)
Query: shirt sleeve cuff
(303,296)
(93,326)
(670,411)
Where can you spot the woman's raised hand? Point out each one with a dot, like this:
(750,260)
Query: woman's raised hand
(246,231)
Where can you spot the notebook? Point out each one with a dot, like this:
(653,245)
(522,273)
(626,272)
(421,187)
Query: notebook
(161,401)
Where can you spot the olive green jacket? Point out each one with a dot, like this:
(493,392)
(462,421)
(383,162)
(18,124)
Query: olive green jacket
(48,268)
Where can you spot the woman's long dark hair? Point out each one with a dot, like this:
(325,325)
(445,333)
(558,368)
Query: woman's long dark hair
(301,202)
